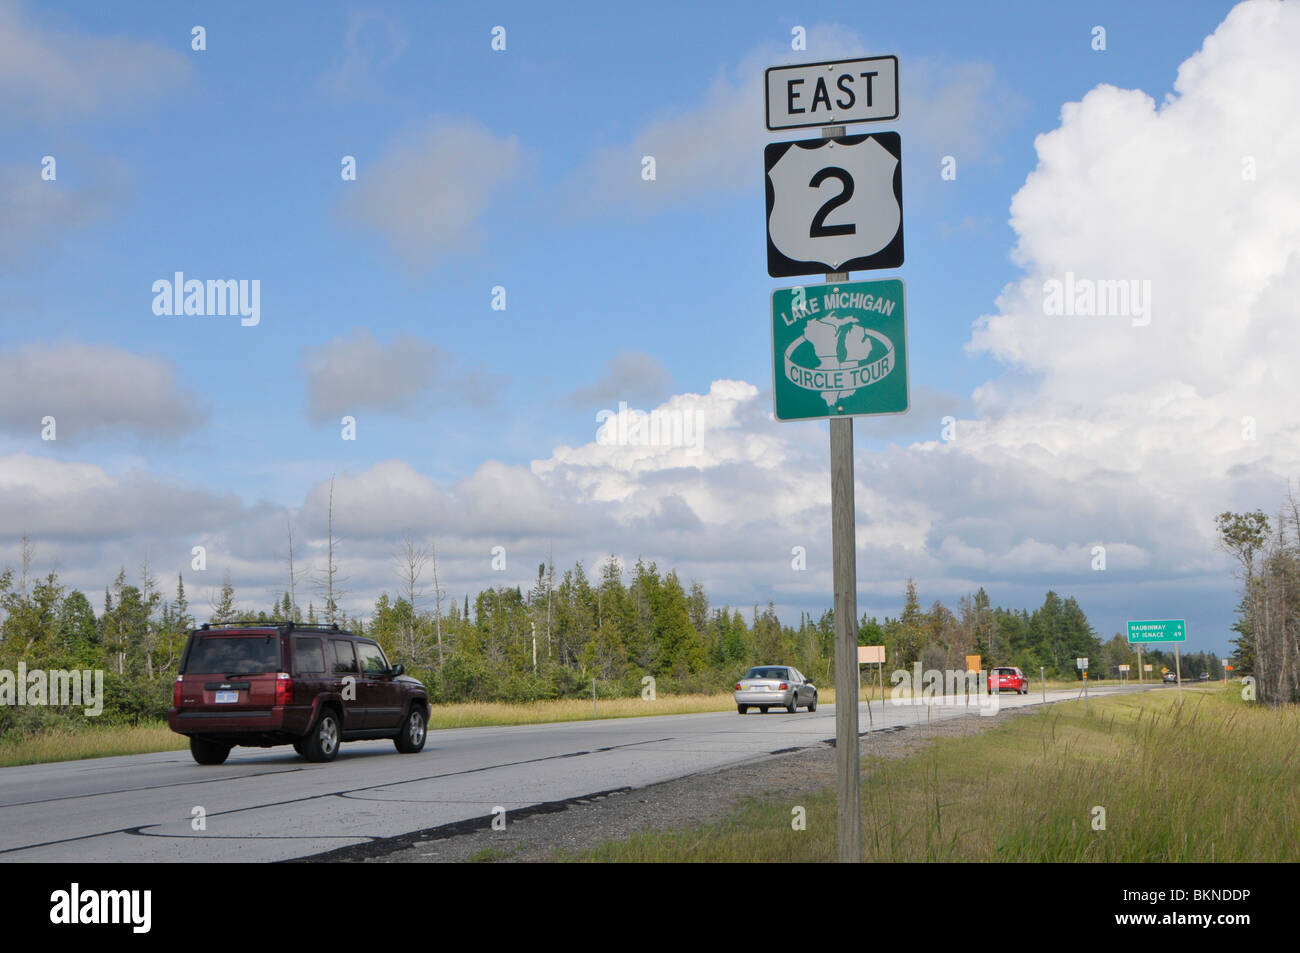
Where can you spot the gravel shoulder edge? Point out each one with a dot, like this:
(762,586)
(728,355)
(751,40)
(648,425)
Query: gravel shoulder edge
(567,829)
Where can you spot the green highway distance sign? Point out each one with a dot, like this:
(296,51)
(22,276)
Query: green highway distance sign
(839,350)
(1158,630)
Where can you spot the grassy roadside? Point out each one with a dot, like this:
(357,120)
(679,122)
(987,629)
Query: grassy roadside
(1205,777)
(90,742)
(481,714)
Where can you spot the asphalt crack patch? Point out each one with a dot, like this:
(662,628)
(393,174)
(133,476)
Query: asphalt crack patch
(381,847)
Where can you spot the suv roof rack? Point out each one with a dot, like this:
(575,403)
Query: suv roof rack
(255,624)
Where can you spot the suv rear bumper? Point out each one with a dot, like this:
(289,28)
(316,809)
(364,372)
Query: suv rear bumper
(285,724)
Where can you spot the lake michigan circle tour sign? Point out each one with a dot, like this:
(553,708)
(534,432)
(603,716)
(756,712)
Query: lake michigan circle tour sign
(839,350)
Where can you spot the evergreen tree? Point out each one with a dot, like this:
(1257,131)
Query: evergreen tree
(78,631)
(909,631)
(225,610)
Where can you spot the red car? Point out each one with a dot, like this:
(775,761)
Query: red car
(1008,678)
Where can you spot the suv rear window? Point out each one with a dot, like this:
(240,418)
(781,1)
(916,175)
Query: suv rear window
(233,655)
(308,657)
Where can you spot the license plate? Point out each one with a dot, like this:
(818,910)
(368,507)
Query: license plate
(758,688)
(227,698)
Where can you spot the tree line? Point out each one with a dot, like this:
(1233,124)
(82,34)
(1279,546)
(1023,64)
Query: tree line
(1267,646)
(613,627)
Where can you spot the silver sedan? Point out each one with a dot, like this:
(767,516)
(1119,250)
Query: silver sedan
(774,686)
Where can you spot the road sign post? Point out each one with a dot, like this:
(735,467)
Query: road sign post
(874,655)
(973,665)
(835,204)
(1146,631)
(844,569)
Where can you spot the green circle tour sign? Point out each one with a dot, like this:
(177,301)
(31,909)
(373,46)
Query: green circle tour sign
(839,350)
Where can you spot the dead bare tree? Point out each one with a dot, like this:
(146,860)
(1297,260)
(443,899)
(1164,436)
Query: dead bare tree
(550,587)
(411,560)
(293,574)
(330,581)
(28,554)
(438,595)
(1291,627)
(149,597)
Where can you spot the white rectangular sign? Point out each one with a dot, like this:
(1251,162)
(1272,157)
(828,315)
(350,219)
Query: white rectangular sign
(871,655)
(832,93)
(1081,663)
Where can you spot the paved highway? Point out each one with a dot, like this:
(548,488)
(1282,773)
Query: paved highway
(269,804)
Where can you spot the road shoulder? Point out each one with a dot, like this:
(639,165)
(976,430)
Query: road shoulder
(567,830)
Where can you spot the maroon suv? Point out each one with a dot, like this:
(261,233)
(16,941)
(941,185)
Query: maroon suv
(254,684)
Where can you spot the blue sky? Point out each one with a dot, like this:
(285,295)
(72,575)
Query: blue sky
(520,168)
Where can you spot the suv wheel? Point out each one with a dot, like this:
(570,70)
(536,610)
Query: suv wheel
(322,744)
(411,738)
(209,752)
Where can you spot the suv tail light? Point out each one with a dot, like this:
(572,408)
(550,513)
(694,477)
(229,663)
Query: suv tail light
(283,689)
(176,691)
